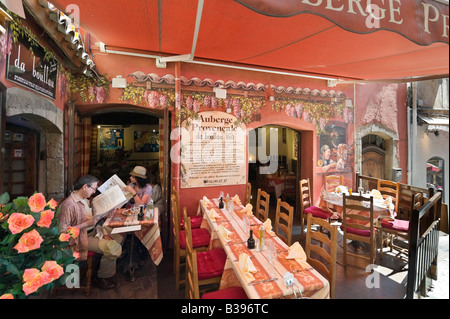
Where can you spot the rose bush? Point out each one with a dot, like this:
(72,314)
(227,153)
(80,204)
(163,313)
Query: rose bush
(33,253)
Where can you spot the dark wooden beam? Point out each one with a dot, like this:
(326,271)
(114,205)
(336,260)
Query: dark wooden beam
(42,18)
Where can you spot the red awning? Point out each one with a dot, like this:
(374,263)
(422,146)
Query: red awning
(433,168)
(331,38)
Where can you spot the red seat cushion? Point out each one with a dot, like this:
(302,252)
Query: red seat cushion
(395,224)
(200,238)
(228,293)
(196,222)
(359,232)
(211,263)
(317,212)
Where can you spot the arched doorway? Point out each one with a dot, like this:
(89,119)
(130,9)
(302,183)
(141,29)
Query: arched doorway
(373,156)
(376,151)
(33,144)
(137,137)
(273,161)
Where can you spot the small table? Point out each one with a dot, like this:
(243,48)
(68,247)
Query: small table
(146,230)
(336,201)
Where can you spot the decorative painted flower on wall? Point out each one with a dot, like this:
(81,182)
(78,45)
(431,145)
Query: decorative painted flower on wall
(33,253)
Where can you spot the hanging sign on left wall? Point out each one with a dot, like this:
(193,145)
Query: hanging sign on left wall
(29,68)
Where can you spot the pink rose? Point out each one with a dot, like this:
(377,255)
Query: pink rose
(29,241)
(18,222)
(7,296)
(53,269)
(46,218)
(52,204)
(37,282)
(73,232)
(64,237)
(76,254)
(29,274)
(37,203)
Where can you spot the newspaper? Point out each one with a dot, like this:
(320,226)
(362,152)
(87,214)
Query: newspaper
(113,181)
(110,199)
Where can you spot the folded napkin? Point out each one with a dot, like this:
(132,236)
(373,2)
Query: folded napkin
(224,233)
(248,209)
(247,267)
(341,189)
(389,205)
(206,201)
(236,200)
(296,252)
(268,227)
(213,214)
(387,202)
(376,194)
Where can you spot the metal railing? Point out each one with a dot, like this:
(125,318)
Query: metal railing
(423,245)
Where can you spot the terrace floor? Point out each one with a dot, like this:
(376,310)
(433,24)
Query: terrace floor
(158,282)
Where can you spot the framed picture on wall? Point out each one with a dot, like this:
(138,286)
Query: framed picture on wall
(110,138)
(334,153)
(146,141)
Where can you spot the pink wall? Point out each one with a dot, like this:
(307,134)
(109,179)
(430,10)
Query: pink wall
(385,105)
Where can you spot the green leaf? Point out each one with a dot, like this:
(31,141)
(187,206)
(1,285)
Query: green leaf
(8,239)
(21,203)
(4,199)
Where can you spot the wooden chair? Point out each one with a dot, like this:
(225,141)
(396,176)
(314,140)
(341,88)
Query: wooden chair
(248,193)
(358,224)
(88,275)
(262,205)
(306,206)
(201,240)
(398,228)
(330,182)
(389,188)
(283,221)
(196,221)
(327,269)
(202,268)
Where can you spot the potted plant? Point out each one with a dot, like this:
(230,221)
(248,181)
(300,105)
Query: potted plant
(33,252)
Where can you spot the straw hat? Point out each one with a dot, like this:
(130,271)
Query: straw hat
(139,171)
(110,248)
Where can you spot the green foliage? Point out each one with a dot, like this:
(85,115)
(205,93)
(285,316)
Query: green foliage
(14,264)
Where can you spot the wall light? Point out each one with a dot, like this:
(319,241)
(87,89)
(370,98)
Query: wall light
(220,93)
(119,82)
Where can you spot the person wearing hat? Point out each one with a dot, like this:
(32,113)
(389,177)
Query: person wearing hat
(76,212)
(139,186)
(326,162)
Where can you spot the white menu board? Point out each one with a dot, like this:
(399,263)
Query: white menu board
(213,151)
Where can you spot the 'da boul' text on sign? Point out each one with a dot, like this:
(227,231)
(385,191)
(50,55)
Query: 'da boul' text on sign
(213,151)
(27,67)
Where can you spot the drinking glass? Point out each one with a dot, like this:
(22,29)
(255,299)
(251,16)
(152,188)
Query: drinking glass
(231,206)
(246,220)
(361,190)
(271,255)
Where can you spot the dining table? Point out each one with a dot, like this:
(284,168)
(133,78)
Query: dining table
(147,230)
(335,202)
(230,228)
